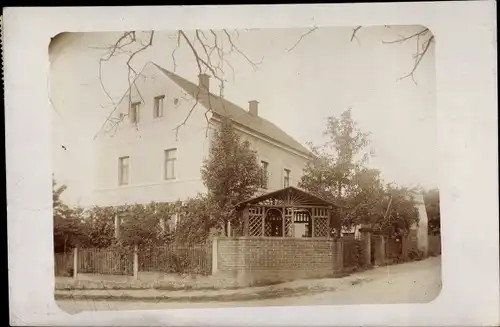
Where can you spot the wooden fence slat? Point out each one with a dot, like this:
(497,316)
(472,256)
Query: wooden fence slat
(173,258)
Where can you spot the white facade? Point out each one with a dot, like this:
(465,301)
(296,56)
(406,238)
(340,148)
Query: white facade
(145,143)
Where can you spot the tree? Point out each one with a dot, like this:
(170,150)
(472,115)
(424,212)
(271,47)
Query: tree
(231,173)
(332,171)
(145,225)
(195,220)
(423,37)
(211,48)
(401,213)
(431,200)
(99,226)
(337,172)
(67,224)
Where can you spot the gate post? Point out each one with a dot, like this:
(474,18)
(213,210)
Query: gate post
(366,236)
(215,248)
(380,253)
(136,262)
(75,262)
(340,254)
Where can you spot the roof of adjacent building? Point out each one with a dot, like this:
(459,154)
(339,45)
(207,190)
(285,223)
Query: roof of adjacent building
(225,108)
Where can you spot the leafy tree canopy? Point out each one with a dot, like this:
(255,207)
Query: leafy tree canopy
(231,173)
(338,172)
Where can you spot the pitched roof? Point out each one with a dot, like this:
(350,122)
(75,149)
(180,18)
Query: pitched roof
(239,115)
(289,195)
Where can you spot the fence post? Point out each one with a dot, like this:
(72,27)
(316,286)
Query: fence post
(367,239)
(380,253)
(75,262)
(136,263)
(215,247)
(340,254)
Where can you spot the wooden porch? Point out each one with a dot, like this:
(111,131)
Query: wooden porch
(289,212)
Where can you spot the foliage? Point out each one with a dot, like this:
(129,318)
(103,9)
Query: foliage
(431,200)
(195,220)
(415,255)
(145,225)
(231,174)
(67,223)
(353,253)
(338,172)
(402,211)
(332,170)
(99,227)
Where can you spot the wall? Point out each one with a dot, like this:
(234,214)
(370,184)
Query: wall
(394,249)
(410,242)
(434,244)
(145,145)
(262,260)
(279,159)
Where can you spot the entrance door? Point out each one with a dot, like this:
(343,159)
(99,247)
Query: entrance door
(274,223)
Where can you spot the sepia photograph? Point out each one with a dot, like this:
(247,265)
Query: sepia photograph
(250,167)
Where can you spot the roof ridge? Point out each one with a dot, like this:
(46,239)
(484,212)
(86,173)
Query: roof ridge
(233,110)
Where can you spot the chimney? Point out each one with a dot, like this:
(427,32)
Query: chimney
(204,82)
(253,107)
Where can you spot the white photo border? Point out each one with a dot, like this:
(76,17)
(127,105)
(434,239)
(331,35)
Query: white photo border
(468,162)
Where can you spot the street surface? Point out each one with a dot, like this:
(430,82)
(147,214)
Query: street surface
(415,282)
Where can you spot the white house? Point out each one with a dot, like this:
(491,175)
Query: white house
(144,157)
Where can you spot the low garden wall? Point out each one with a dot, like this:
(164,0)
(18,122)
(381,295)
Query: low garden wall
(434,244)
(264,260)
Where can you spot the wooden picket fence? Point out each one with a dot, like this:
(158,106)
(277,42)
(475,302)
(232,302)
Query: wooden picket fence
(105,261)
(177,258)
(172,258)
(63,264)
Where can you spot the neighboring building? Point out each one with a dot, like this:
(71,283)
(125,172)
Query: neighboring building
(142,158)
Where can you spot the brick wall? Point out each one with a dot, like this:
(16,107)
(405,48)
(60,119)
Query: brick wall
(255,260)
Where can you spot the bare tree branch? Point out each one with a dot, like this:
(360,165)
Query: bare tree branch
(353,36)
(175,49)
(199,60)
(207,49)
(301,38)
(233,46)
(421,49)
(418,59)
(130,36)
(401,40)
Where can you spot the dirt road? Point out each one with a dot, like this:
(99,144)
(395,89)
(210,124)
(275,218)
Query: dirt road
(416,282)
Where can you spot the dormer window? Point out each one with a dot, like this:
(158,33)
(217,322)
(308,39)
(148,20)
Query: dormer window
(158,106)
(134,112)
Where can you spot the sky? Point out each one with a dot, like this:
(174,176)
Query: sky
(297,89)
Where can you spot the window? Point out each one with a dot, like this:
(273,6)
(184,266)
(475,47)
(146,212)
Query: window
(286,178)
(123,170)
(134,112)
(170,159)
(158,106)
(265,177)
